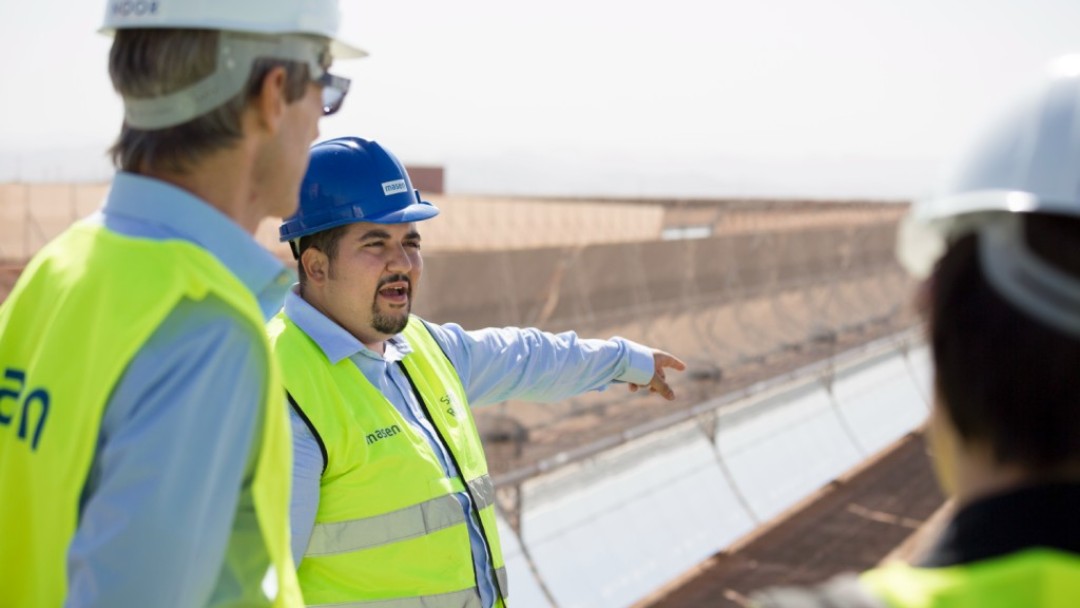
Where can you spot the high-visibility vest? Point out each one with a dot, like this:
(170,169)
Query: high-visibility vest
(388,525)
(1033,578)
(79,313)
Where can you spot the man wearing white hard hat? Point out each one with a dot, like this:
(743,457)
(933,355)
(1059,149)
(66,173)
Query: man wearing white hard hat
(144,445)
(1000,252)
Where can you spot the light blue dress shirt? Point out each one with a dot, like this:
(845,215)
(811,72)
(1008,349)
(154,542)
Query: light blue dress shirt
(494,365)
(168,496)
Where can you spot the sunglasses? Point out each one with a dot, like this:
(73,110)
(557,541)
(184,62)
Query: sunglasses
(334,89)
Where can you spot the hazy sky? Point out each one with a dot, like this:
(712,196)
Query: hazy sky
(616,97)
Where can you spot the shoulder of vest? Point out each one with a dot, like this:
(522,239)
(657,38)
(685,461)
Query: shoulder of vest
(417,326)
(420,329)
(288,341)
(139,267)
(843,591)
(276,326)
(163,260)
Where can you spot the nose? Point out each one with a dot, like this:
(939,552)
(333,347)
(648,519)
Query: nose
(399,260)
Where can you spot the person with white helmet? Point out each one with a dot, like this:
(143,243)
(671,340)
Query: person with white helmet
(999,250)
(144,443)
(392,500)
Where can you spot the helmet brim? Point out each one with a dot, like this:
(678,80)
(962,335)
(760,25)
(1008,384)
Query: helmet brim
(925,232)
(417,212)
(343,49)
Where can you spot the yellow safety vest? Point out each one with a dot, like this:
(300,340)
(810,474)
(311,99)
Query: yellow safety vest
(79,313)
(1034,578)
(388,526)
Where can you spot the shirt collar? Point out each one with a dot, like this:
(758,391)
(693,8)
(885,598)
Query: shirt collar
(995,526)
(334,340)
(182,215)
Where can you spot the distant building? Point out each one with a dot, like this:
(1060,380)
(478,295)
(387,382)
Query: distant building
(428,180)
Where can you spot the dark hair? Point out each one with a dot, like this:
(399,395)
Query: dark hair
(1007,380)
(151,62)
(325,241)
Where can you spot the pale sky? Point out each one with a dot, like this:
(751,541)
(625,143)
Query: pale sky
(837,98)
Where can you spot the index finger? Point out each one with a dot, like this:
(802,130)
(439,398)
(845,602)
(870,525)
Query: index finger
(664,359)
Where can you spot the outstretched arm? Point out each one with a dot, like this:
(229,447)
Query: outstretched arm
(497,364)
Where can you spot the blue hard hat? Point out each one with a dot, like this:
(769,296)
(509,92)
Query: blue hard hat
(354,180)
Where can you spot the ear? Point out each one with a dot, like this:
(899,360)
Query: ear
(316,265)
(943,445)
(268,107)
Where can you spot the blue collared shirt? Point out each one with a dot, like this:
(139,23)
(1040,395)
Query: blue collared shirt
(494,365)
(168,494)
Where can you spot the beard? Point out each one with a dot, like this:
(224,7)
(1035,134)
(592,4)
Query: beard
(391,323)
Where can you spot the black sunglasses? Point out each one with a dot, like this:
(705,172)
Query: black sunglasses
(334,89)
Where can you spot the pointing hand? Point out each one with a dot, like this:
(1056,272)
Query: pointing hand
(659,384)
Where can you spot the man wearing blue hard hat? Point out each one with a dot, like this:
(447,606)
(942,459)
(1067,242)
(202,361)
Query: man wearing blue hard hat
(392,501)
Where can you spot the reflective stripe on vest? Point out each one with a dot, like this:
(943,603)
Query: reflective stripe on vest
(416,520)
(457,599)
(468,598)
(1034,578)
(503,580)
(78,315)
(482,491)
(389,527)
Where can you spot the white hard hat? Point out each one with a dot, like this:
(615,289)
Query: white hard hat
(251,29)
(315,17)
(1028,163)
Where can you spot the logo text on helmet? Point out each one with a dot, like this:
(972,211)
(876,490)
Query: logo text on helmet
(394,187)
(138,8)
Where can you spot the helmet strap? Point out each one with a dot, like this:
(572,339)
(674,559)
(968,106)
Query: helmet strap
(1024,279)
(236,55)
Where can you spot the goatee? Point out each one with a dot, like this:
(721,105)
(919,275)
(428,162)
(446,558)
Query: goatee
(390,325)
